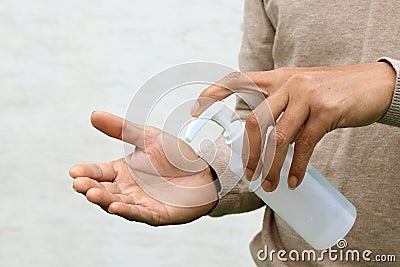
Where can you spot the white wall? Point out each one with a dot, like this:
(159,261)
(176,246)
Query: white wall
(62,59)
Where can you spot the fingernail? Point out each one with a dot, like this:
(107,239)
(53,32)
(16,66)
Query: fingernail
(292,182)
(195,108)
(267,186)
(249,174)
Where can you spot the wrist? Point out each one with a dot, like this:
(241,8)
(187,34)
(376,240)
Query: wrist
(213,175)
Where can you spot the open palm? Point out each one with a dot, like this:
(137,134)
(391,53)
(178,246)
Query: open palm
(158,157)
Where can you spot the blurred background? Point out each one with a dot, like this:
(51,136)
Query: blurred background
(59,61)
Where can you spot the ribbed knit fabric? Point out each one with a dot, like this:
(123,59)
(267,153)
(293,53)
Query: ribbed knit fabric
(392,115)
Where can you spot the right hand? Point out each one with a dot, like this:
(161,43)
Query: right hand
(309,103)
(112,187)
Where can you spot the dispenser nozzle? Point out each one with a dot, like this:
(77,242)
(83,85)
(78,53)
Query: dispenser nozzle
(218,112)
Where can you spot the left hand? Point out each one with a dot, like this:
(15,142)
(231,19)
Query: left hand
(113,186)
(311,103)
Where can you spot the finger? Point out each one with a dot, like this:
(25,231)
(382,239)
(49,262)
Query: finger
(101,197)
(83,184)
(286,130)
(119,128)
(256,126)
(235,82)
(102,172)
(305,143)
(269,156)
(134,213)
(108,123)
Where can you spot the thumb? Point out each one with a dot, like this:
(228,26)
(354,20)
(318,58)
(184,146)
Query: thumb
(118,128)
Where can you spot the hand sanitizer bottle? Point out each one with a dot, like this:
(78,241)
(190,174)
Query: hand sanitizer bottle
(318,212)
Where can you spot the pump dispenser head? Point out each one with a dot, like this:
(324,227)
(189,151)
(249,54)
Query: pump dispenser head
(217,112)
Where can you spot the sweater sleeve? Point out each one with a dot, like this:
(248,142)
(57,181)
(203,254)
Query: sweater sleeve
(234,195)
(392,115)
(255,55)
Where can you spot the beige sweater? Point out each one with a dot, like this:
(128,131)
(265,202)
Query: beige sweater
(363,163)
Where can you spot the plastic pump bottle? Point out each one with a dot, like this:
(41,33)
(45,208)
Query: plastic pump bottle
(318,212)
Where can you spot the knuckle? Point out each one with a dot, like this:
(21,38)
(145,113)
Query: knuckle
(212,91)
(252,121)
(233,76)
(331,107)
(280,139)
(254,158)
(324,110)
(232,80)
(93,194)
(307,84)
(312,89)
(301,78)
(285,69)
(305,147)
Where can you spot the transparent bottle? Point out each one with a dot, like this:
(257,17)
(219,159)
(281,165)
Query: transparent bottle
(316,210)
